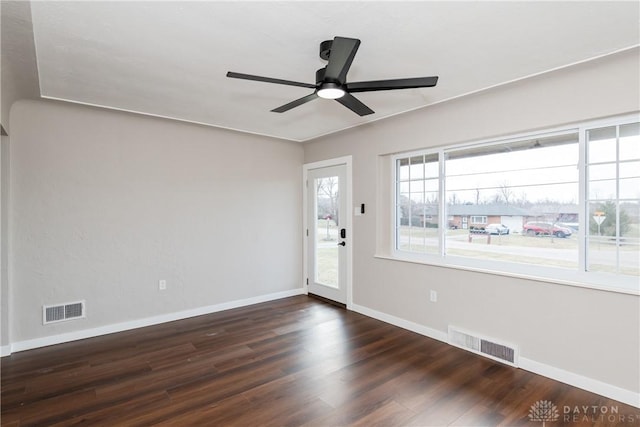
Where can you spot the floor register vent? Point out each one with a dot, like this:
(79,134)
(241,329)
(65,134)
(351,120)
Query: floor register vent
(488,347)
(62,312)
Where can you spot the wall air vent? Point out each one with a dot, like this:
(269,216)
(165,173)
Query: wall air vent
(488,347)
(62,312)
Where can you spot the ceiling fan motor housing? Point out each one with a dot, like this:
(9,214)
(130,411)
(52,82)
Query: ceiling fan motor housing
(320,75)
(325,49)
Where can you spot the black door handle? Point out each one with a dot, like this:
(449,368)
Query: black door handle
(342,243)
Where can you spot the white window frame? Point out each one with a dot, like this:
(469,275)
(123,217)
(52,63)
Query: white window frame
(579,277)
(407,255)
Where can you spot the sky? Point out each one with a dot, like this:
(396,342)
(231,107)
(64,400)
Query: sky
(548,173)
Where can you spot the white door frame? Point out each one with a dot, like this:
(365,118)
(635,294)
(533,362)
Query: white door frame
(340,161)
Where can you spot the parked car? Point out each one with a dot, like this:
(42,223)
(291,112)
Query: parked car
(545,229)
(496,229)
(573,226)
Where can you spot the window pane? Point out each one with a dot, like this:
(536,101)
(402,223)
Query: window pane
(601,145)
(605,252)
(630,141)
(629,188)
(606,171)
(417,199)
(418,204)
(431,185)
(431,201)
(629,249)
(403,209)
(603,189)
(417,167)
(431,169)
(404,239)
(402,166)
(403,203)
(602,241)
(613,231)
(493,195)
(630,169)
(416,186)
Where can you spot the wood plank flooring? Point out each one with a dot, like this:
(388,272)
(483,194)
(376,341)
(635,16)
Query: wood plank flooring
(292,362)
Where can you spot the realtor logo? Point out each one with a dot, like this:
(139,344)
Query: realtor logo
(543,410)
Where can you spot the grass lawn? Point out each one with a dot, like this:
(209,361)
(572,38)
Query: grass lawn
(538,250)
(327,266)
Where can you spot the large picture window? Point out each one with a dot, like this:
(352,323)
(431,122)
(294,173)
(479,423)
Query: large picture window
(522,199)
(565,200)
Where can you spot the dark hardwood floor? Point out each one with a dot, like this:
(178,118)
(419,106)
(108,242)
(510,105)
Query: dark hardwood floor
(295,361)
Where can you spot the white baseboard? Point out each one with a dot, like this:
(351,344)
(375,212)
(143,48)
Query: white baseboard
(140,323)
(573,379)
(401,323)
(604,389)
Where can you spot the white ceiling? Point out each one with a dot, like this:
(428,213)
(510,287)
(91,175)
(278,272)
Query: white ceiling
(169,59)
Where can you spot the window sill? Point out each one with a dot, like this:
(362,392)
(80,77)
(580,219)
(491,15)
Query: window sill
(599,281)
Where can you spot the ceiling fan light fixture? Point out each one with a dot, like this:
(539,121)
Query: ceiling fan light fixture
(330,91)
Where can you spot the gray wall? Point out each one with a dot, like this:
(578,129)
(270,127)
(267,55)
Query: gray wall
(587,332)
(104,204)
(19,78)
(4,240)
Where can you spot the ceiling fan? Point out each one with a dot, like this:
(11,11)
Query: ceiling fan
(331,81)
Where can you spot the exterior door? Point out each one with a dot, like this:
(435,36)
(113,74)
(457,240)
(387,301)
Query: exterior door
(327,242)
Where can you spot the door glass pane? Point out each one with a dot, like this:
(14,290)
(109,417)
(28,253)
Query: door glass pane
(327,230)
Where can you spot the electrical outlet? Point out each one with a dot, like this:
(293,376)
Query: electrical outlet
(162,285)
(433,296)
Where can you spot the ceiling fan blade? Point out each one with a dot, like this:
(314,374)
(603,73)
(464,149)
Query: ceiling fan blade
(296,103)
(341,55)
(268,80)
(352,103)
(392,84)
